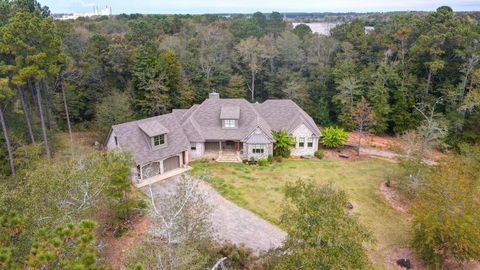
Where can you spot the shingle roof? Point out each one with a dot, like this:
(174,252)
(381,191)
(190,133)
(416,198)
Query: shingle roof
(131,138)
(285,114)
(230,112)
(152,128)
(203,122)
(257,138)
(179,113)
(206,118)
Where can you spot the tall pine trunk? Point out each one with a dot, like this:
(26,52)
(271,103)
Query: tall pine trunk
(7,142)
(42,121)
(252,89)
(32,93)
(66,108)
(25,113)
(47,106)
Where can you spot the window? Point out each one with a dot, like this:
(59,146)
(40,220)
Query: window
(158,140)
(310,142)
(193,146)
(301,142)
(116,141)
(258,148)
(229,123)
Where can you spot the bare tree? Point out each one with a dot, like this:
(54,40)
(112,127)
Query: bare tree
(180,218)
(433,130)
(214,40)
(254,54)
(364,117)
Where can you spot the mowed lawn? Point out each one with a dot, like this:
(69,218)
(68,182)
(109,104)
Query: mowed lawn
(260,190)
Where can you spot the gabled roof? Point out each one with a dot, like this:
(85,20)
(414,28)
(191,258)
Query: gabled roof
(132,138)
(203,122)
(230,112)
(152,128)
(206,119)
(285,114)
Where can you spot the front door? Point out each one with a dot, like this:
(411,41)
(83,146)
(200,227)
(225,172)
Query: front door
(229,145)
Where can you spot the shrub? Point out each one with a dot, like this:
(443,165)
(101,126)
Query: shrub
(318,154)
(279,159)
(120,231)
(283,143)
(270,159)
(262,162)
(333,137)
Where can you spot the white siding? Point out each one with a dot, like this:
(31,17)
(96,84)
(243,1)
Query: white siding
(303,131)
(199,152)
(268,150)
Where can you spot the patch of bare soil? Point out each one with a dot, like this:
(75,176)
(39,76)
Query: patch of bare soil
(397,253)
(393,198)
(114,249)
(383,142)
(345,153)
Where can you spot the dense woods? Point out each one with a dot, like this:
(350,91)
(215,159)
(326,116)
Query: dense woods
(414,71)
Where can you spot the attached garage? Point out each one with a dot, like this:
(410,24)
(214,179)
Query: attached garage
(171,163)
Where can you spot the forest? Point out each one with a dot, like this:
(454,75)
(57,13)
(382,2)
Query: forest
(416,71)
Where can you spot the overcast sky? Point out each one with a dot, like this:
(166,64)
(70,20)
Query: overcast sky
(248,6)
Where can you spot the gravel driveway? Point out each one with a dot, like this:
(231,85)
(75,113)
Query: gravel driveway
(231,222)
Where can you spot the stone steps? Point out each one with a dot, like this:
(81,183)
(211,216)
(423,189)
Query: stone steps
(229,157)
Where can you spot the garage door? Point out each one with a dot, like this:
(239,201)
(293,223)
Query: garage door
(171,163)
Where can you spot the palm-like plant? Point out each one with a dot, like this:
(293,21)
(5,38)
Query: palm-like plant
(283,143)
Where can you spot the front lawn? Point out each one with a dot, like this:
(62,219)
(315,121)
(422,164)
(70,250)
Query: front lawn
(260,190)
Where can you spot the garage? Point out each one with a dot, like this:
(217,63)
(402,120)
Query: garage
(171,163)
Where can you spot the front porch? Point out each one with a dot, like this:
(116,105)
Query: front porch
(224,151)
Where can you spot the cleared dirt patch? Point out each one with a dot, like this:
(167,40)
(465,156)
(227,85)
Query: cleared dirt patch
(115,249)
(393,198)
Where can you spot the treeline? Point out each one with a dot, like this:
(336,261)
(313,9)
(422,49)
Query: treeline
(408,68)
(415,72)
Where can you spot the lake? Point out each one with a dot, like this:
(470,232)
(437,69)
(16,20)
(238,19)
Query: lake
(323,28)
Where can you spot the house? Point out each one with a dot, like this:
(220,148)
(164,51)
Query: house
(227,130)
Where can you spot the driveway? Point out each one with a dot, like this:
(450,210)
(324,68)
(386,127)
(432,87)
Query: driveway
(231,222)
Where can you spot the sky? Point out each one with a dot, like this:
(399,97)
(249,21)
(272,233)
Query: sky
(250,6)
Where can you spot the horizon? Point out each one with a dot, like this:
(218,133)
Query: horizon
(251,6)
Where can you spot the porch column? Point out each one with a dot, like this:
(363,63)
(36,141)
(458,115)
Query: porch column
(220,147)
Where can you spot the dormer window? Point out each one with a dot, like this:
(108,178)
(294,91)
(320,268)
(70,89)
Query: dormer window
(158,140)
(229,116)
(229,123)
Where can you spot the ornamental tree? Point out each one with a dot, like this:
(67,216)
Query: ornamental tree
(283,143)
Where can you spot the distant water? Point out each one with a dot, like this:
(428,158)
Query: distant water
(323,28)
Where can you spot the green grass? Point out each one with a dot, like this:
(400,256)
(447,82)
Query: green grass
(260,190)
